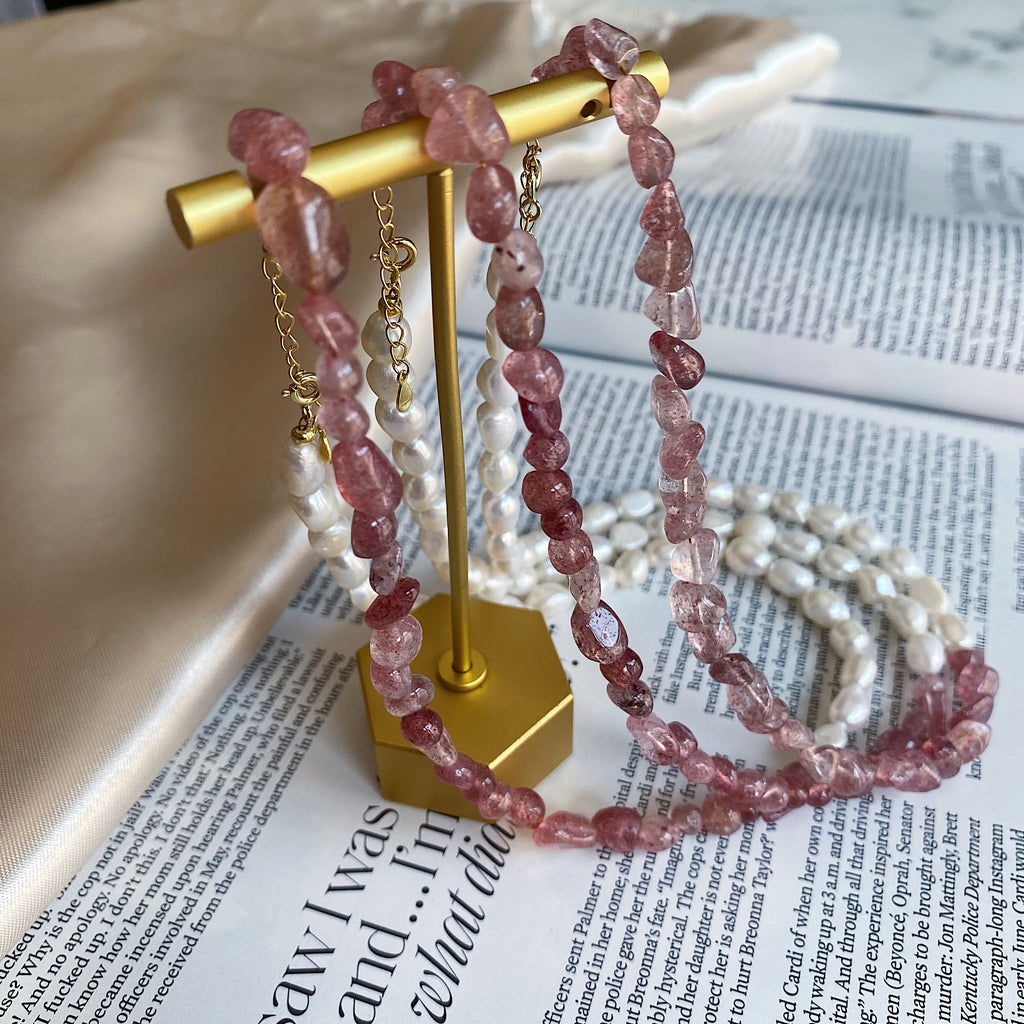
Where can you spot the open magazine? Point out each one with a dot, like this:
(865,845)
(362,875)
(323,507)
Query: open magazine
(859,274)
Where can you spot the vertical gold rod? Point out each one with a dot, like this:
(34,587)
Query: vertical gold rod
(446,366)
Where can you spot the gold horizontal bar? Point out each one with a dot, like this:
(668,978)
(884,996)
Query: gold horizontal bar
(214,208)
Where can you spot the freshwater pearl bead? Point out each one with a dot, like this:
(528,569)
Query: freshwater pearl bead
(497,586)
(422,492)
(302,469)
(603,549)
(848,638)
(401,426)
(374,337)
(535,544)
(500,511)
(383,380)
(752,498)
(901,564)
(348,571)
(874,586)
(928,593)
(789,578)
(659,551)
(496,425)
(823,607)
(907,616)
(851,708)
(415,457)
(362,596)
(799,545)
(477,574)
(492,385)
(745,557)
(831,734)
(718,521)
(433,518)
(505,547)
(837,563)
(720,493)
(541,593)
(320,509)
(863,539)
(434,543)
(333,541)
(523,582)
(757,527)
(925,654)
(631,568)
(635,504)
(952,631)
(859,670)
(497,470)
(627,535)
(598,516)
(791,506)
(826,520)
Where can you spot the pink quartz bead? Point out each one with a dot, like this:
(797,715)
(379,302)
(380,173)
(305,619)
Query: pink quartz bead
(655,738)
(943,754)
(617,828)
(662,216)
(724,778)
(344,419)
(635,698)
(392,82)
(960,657)
(328,323)
(775,797)
(397,643)
(636,103)
(420,696)
(979,711)
(778,714)
(572,554)
(666,265)
(516,260)
(657,832)
(670,405)
(366,479)
(651,156)
(695,605)
(443,751)
(600,636)
(934,697)
(720,815)
(611,51)
(696,559)
(338,376)
(894,740)
(818,795)
(278,151)
(526,808)
(536,374)
(302,229)
(675,312)
(585,587)
(909,770)
(553,67)
(388,608)
(391,682)
(684,523)
(736,670)
(854,775)
(386,570)
(916,723)
(792,735)
(686,818)
(685,494)
(547,451)
(574,46)
(970,739)
(422,728)
(432,84)
(681,363)
(459,772)
(519,317)
(820,762)
(685,739)
(491,203)
(977,680)
(564,521)
(698,767)
(626,668)
(546,489)
(480,782)
(749,786)
(377,114)
(566,830)
(244,125)
(496,804)
(751,698)
(541,417)
(709,645)
(466,129)
(678,451)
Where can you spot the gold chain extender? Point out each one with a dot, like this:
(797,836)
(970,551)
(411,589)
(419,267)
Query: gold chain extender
(395,255)
(529,208)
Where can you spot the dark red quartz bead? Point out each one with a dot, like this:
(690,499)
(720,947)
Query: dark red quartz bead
(541,417)
(547,451)
(625,669)
(617,828)
(633,697)
(422,728)
(681,363)
(388,608)
(519,317)
(571,554)
(562,522)
(372,535)
(545,489)
(733,670)
(600,636)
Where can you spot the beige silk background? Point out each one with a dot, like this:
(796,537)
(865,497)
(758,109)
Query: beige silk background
(147,547)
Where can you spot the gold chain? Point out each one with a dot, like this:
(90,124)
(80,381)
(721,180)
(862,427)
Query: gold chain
(395,255)
(529,208)
(303,390)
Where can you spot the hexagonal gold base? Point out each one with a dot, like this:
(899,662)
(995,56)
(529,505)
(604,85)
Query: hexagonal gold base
(519,720)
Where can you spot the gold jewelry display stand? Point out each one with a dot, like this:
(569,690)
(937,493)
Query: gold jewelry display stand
(500,686)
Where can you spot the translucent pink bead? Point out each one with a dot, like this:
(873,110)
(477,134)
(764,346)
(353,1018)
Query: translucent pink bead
(541,417)
(386,570)
(422,728)
(698,767)
(519,317)
(397,643)
(564,521)
(970,738)
(960,657)
(496,804)
(909,770)
(302,229)
(553,67)
(344,419)
(685,739)
(720,815)
(670,405)
(675,312)
(547,451)
(479,783)
(545,489)
(724,778)
(274,147)
(392,82)
(662,216)
(585,587)
(683,523)
(749,786)
(650,156)
(388,608)
(818,795)
(979,711)
(421,694)
(696,558)
(854,775)
(775,797)
(574,46)
(517,261)
(572,554)
(710,644)
(491,203)
(685,494)
(657,832)
(737,670)
(894,740)
(338,376)
(432,83)
(681,363)
(443,751)
(328,323)
(655,738)
(244,125)
(565,829)
(666,264)
(820,763)
(366,479)
(752,697)
(536,374)
(635,698)
(391,682)
(934,697)
(617,828)
(611,51)
(377,114)
(459,772)
(526,808)
(373,535)
(778,714)
(943,754)
(600,636)
(792,735)
(678,451)
(636,103)
(466,129)
(977,680)
(695,605)
(686,817)
(625,669)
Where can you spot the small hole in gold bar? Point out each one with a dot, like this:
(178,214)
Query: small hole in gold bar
(590,110)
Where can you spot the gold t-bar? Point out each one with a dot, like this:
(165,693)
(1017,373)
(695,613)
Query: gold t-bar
(213,208)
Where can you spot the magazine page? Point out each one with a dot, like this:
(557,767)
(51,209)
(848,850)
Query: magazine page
(262,878)
(863,252)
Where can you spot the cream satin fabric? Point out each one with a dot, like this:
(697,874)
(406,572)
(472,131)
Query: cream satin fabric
(147,548)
